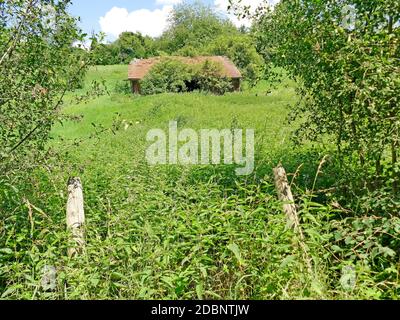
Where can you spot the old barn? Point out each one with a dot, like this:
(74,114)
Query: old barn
(138,69)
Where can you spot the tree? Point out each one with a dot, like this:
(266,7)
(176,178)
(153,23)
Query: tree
(127,47)
(344,55)
(194,25)
(241,50)
(133,45)
(38,65)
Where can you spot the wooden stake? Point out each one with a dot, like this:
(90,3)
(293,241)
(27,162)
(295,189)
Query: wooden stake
(285,195)
(76,216)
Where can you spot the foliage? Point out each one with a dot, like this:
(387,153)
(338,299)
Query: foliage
(348,72)
(38,65)
(127,47)
(173,75)
(242,51)
(104,54)
(193,25)
(123,87)
(169,75)
(208,76)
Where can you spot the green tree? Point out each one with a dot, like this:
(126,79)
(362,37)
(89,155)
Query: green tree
(194,25)
(242,51)
(345,57)
(38,65)
(133,45)
(127,47)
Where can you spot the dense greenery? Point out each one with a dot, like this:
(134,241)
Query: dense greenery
(345,57)
(194,25)
(201,232)
(127,47)
(173,75)
(194,29)
(38,65)
(187,232)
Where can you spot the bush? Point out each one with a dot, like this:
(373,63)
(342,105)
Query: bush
(242,51)
(123,87)
(172,75)
(209,78)
(167,76)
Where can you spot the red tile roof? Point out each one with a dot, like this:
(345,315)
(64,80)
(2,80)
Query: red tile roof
(138,69)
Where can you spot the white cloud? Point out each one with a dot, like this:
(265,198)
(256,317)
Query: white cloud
(148,22)
(85,45)
(222,6)
(168,2)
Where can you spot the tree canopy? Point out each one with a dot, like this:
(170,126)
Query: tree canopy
(345,58)
(38,65)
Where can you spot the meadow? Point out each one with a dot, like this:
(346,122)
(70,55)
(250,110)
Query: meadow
(187,232)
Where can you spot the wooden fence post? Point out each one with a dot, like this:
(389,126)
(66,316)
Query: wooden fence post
(285,195)
(76,216)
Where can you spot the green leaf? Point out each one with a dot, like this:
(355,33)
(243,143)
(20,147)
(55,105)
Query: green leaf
(200,291)
(6,251)
(387,251)
(236,251)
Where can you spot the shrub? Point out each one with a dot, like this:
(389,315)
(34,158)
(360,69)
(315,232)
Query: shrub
(123,87)
(209,78)
(167,76)
(242,51)
(171,75)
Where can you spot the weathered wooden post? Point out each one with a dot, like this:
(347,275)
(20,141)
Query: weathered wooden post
(76,216)
(285,195)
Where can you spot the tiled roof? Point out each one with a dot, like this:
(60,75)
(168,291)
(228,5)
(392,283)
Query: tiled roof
(138,69)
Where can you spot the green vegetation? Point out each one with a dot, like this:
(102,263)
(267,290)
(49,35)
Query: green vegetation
(186,232)
(194,29)
(345,58)
(201,232)
(127,47)
(173,75)
(33,76)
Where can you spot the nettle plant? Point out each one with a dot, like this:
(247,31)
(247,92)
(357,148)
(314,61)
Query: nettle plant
(345,58)
(38,65)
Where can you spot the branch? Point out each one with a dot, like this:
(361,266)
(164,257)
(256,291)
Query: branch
(29,135)
(14,44)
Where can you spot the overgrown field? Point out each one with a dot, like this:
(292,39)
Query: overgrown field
(199,232)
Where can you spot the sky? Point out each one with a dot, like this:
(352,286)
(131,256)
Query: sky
(146,16)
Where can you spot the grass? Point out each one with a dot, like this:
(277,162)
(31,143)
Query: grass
(176,232)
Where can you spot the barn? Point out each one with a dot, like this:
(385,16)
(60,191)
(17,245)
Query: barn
(139,68)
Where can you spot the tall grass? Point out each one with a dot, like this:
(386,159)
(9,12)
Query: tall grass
(176,232)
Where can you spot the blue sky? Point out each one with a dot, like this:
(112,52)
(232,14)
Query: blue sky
(146,16)
(91,11)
